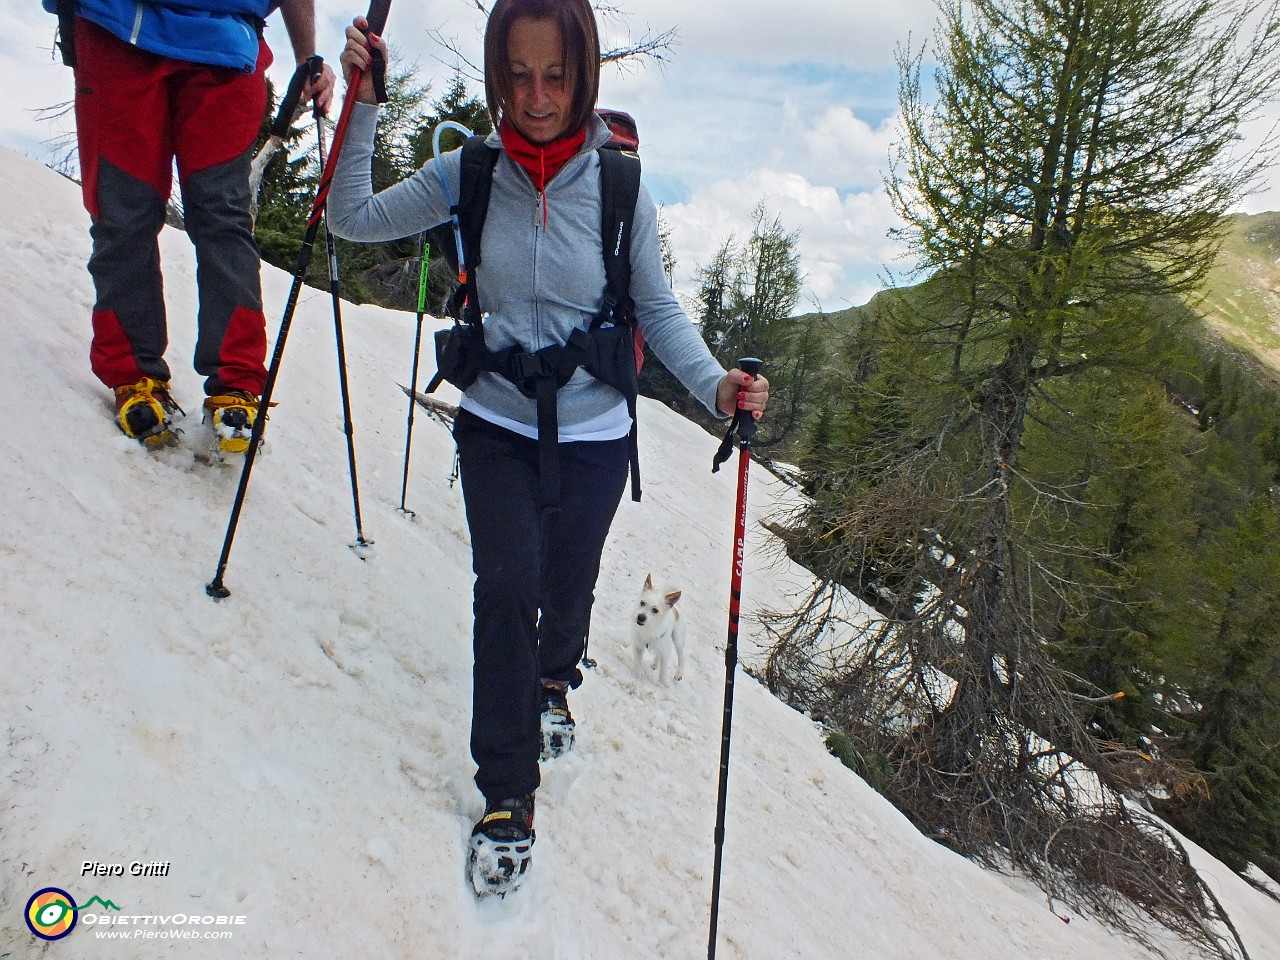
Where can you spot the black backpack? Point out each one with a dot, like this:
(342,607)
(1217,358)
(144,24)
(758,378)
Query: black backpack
(610,350)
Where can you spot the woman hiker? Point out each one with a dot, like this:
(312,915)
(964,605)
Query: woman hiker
(542,278)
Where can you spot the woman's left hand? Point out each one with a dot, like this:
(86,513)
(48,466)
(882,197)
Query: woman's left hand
(739,390)
(356,55)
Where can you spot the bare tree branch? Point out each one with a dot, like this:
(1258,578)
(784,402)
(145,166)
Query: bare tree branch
(656,47)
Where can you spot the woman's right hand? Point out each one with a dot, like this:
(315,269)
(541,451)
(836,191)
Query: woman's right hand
(356,56)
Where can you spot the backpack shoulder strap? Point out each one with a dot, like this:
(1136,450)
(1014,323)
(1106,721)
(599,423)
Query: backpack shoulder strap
(478,161)
(471,207)
(619,187)
(66,10)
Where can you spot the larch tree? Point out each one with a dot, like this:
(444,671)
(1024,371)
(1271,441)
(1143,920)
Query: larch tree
(1070,171)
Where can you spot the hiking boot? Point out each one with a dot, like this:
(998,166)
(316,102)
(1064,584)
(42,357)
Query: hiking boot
(232,415)
(557,722)
(145,411)
(501,846)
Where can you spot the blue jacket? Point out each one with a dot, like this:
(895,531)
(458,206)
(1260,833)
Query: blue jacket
(222,33)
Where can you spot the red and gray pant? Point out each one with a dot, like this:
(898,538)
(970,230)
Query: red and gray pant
(136,112)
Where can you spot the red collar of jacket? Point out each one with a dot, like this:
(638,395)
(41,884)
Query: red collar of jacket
(541,161)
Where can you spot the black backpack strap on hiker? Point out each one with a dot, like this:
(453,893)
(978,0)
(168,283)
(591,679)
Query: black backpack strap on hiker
(620,186)
(460,350)
(619,189)
(475,181)
(67,32)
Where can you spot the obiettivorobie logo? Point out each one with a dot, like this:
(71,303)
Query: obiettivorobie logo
(52,913)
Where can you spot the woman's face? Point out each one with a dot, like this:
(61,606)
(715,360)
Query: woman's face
(541,97)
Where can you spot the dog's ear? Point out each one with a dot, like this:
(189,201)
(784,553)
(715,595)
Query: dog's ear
(672,597)
(648,581)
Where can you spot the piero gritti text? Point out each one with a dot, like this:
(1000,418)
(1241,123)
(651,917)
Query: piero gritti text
(155,868)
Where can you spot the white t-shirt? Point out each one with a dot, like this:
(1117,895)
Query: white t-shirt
(611,425)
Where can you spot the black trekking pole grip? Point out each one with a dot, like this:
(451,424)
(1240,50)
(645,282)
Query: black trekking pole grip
(741,421)
(315,70)
(743,424)
(377,15)
(289,104)
(376,19)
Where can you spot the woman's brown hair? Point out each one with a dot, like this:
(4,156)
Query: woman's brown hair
(577,22)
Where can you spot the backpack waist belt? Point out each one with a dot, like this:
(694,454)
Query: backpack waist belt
(605,352)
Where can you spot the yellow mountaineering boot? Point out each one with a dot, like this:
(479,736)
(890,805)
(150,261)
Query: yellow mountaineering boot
(145,411)
(232,415)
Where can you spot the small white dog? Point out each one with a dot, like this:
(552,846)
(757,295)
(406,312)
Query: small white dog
(656,628)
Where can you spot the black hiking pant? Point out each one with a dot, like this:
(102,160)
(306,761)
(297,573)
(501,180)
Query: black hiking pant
(535,581)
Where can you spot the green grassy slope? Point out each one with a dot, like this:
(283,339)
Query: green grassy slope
(1242,297)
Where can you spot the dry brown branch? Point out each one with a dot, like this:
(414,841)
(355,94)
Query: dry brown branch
(438,410)
(651,46)
(994,763)
(64,145)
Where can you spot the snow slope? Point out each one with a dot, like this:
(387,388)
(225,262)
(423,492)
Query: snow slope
(297,754)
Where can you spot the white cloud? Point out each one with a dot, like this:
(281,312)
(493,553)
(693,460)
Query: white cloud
(842,237)
(846,32)
(840,146)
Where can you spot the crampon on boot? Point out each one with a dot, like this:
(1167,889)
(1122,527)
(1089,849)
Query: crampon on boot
(232,415)
(146,412)
(501,846)
(557,722)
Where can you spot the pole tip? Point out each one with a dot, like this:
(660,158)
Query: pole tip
(217,590)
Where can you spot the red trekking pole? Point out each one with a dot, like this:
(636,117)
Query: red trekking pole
(743,427)
(377,18)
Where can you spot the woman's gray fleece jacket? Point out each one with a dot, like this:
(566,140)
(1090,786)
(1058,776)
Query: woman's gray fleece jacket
(535,285)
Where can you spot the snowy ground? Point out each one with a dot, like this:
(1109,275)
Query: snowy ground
(297,754)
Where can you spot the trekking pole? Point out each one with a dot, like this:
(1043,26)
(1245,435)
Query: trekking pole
(744,426)
(377,19)
(335,294)
(413,377)
(422,299)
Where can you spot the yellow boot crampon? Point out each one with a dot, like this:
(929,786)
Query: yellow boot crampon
(145,411)
(232,415)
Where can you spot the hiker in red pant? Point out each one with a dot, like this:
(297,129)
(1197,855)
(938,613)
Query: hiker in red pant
(157,82)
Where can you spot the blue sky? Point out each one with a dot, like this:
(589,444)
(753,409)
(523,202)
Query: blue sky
(793,104)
